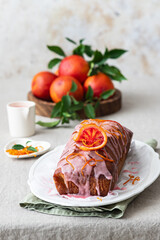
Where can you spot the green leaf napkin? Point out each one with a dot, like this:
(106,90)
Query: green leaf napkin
(115,210)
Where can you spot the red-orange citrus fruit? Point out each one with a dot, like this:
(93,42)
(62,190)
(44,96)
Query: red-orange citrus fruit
(62,85)
(99,83)
(91,137)
(74,66)
(56,73)
(41,83)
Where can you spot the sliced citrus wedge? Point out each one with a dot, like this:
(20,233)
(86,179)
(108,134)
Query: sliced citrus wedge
(91,137)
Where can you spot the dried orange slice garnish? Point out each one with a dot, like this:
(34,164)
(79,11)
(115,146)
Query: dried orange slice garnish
(91,136)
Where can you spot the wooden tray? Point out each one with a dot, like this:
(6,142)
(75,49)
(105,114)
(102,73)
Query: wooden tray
(111,105)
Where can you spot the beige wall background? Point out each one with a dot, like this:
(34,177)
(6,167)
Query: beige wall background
(27,26)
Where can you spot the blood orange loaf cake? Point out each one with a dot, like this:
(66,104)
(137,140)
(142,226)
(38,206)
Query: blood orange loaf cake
(92,158)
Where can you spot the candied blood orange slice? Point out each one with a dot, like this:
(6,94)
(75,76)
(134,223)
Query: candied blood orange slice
(91,136)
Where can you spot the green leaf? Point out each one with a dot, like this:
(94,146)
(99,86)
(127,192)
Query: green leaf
(27,142)
(32,149)
(89,94)
(65,120)
(105,53)
(66,114)
(104,59)
(107,69)
(89,111)
(93,71)
(81,40)
(56,111)
(97,56)
(79,50)
(54,62)
(112,72)
(75,102)
(57,50)
(66,100)
(116,53)
(18,146)
(75,116)
(70,40)
(97,104)
(74,87)
(119,77)
(88,51)
(76,107)
(48,124)
(107,94)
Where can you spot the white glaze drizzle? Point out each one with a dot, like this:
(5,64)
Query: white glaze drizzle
(113,145)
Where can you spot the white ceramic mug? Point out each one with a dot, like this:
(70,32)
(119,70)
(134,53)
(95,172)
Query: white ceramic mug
(21,118)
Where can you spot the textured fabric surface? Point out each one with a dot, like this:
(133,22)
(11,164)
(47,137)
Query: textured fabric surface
(111,211)
(140,221)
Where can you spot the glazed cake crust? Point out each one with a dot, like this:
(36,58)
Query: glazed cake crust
(97,178)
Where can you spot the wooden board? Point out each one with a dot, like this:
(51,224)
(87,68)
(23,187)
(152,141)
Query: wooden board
(106,107)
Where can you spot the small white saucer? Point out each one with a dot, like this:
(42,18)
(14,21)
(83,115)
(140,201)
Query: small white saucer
(45,147)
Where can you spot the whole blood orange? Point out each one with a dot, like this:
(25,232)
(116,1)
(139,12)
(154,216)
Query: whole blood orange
(62,85)
(75,66)
(99,84)
(56,73)
(41,83)
(91,137)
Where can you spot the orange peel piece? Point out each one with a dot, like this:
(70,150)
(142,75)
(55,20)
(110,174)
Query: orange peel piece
(73,155)
(105,158)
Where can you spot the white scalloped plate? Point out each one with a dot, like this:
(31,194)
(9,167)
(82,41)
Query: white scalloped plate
(142,161)
(45,147)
